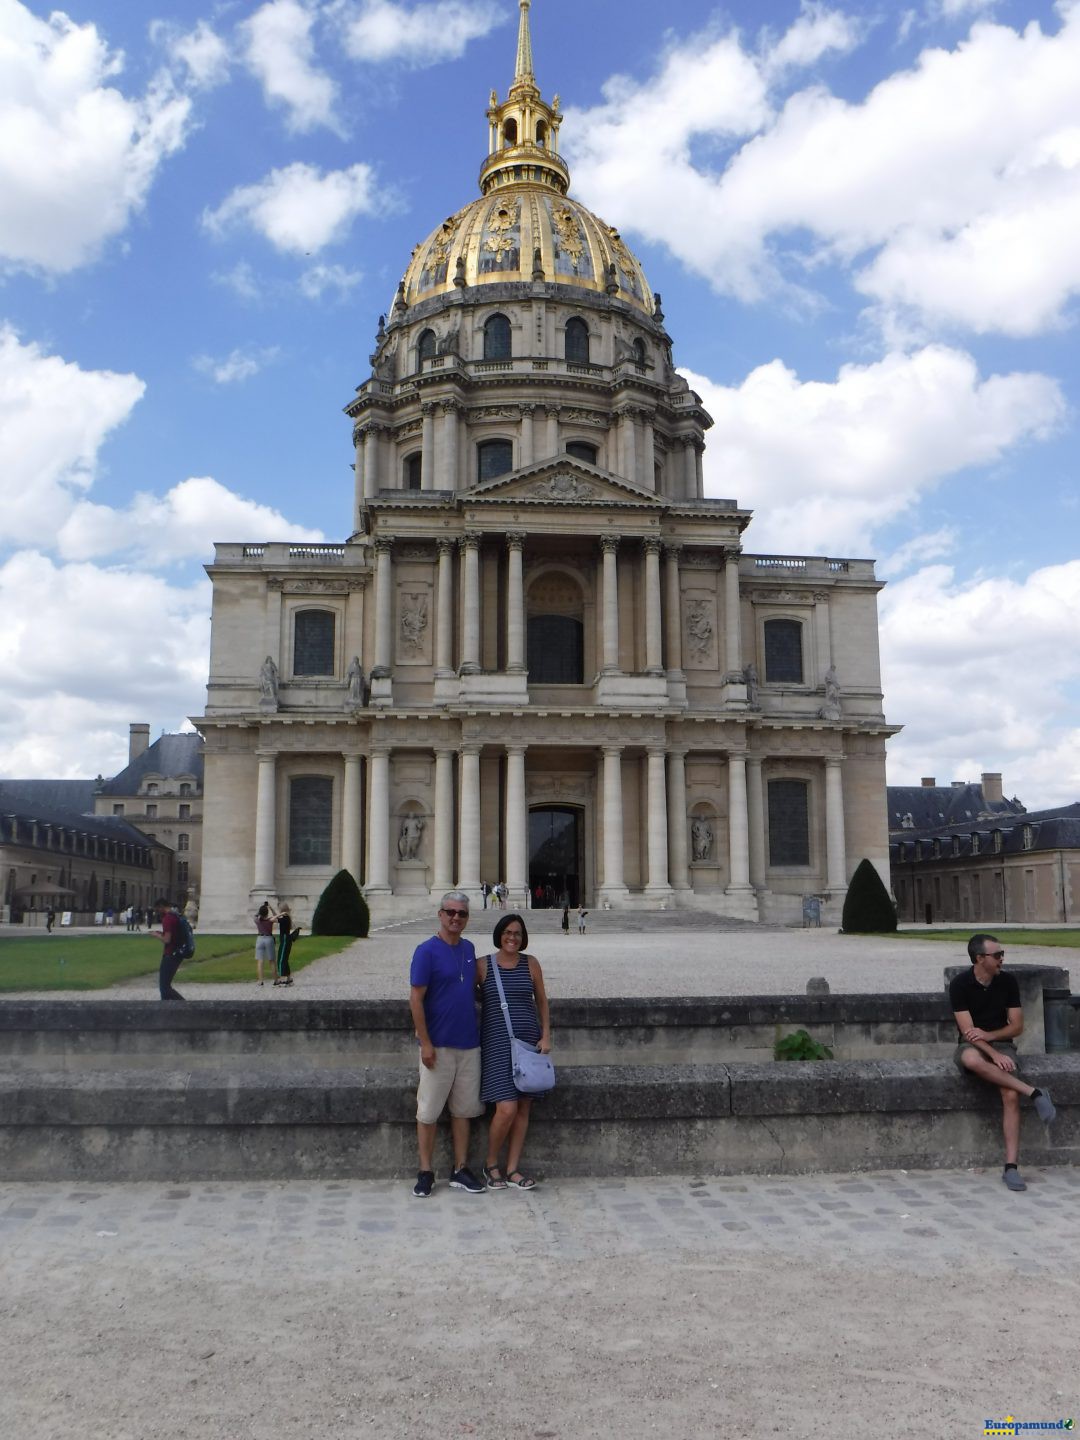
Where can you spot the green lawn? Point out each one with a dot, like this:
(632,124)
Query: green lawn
(94,962)
(1007,936)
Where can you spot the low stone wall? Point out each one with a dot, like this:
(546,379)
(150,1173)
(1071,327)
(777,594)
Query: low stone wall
(612,1120)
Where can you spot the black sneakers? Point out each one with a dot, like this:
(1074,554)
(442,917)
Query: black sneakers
(464,1179)
(425,1182)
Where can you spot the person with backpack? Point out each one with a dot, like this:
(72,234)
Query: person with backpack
(177,945)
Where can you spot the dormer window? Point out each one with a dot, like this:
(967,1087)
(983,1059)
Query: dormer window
(1027,837)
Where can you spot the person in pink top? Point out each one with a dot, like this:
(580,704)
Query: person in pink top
(264,938)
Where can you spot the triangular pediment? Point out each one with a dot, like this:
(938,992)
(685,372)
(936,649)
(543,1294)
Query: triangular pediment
(561,480)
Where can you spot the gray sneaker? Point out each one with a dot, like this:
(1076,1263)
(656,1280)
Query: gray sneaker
(1044,1107)
(1013,1180)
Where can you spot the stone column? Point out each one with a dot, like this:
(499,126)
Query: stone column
(755,811)
(427,447)
(443,863)
(470,636)
(689,467)
(378,856)
(527,434)
(517,821)
(371,461)
(609,544)
(446,477)
(648,452)
(444,626)
(552,430)
(469,807)
(673,612)
(822,638)
(653,613)
(515,602)
(835,844)
(266,821)
(658,829)
(352,815)
(627,447)
(676,820)
(738,824)
(732,617)
(358,471)
(614,887)
(384,597)
(699,470)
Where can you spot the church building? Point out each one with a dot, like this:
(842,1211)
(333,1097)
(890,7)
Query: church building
(542,658)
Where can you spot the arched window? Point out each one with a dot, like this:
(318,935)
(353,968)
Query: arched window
(789,822)
(425,346)
(311,813)
(411,471)
(783,652)
(494,458)
(639,352)
(555,632)
(541,134)
(577,341)
(497,338)
(582,450)
(313,642)
(510,133)
(183,842)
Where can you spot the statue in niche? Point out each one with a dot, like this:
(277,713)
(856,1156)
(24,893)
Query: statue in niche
(268,682)
(414,620)
(699,627)
(354,679)
(448,345)
(409,837)
(831,709)
(750,677)
(701,838)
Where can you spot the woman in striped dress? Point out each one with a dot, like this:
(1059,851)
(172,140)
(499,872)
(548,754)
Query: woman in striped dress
(523,984)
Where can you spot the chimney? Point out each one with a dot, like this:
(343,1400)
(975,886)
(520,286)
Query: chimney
(928,782)
(991,786)
(139,741)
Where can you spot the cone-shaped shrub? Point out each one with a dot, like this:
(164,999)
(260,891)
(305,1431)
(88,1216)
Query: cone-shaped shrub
(867,907)
(341,910)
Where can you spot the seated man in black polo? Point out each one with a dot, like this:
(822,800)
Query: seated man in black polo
(986,1006)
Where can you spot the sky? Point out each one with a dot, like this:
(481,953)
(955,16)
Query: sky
(863,218)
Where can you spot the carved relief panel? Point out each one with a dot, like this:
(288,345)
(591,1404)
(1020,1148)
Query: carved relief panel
(699,629)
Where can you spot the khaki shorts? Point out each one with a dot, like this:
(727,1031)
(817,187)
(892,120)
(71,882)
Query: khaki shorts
(1003,1047)
(455,1077)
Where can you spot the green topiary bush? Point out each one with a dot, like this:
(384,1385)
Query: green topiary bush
(341,910)
(868,910)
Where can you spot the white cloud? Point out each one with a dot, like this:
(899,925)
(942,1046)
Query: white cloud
(193,515)
(825,464)
(983,673)
(321,280)
(299,209)
(919,550)
(377,31)
(86,650)
(236,366)
(77,158)
(952,189)
(201,52)
(280,52)
(241,279)
(54,419)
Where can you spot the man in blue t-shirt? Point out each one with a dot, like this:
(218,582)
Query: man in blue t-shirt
(986,1006)
(442,1001)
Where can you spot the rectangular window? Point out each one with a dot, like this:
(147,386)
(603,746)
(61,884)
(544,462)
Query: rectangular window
(183,842)
(311,808)
(313,642)
(789,823)
(151,811)
(783,652)
(181,872)
(185,812)
(118,809)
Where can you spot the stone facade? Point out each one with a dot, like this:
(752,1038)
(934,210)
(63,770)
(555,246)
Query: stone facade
(542,657)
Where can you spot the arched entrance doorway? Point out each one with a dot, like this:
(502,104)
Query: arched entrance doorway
(556,858)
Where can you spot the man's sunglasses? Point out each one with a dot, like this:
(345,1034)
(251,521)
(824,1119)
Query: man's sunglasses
(456,914)
(995,954)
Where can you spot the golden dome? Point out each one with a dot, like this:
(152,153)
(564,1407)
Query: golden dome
(525,227)
(523,232)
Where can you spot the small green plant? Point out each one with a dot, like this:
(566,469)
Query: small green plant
(800,1046)
(341,910)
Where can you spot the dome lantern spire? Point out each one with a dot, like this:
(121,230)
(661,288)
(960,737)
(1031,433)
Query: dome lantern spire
(523,131)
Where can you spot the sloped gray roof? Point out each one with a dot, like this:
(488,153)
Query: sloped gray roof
(933,807)
(106,827)
(74,795)
(170,755)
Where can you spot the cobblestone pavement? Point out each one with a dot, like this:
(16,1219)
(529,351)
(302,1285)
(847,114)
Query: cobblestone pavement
(835,1306)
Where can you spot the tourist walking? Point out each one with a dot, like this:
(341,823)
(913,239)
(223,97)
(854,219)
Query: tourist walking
(442,1002)
(286,936)
(169,935)
(566,919)
(527,1011)
(581,914)
(264,938)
